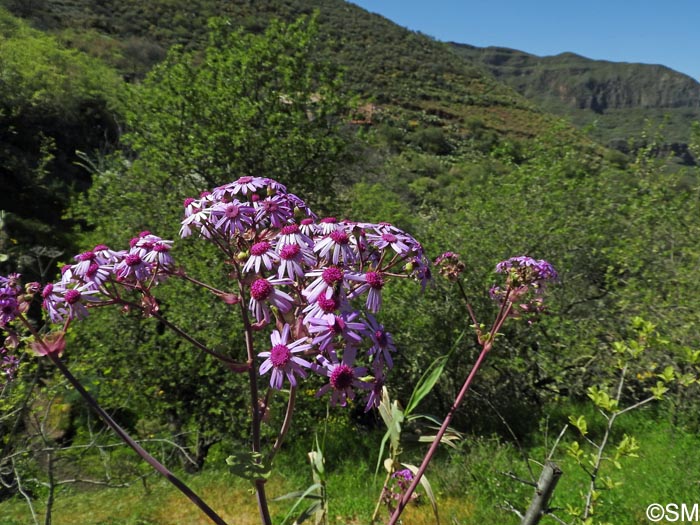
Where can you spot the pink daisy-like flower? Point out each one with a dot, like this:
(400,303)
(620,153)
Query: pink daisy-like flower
(384,238)
(329,281)
(133,267)
(274,210)
(382,343)
(264,291)
(343,377)
(374,282)
(327,328)
(261,254)
(292,258)
(327,225)
(322,306)
(231,218)
(243,185)
(308,227)
(292,234)
(335,247)
(159,254)
(281,359)
(62,303)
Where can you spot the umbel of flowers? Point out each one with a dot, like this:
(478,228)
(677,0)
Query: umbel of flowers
(317,282)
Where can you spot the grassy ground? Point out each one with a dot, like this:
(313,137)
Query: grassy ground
(470,486)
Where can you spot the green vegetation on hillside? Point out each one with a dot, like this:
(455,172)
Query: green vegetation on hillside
(369,122)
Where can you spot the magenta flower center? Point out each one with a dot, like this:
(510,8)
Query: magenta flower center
(328,305)
(260,248)
(188,201)
(338,325)
(161,248)
(87,256)
(92,270)
(329,220)
(306,222)
(389,237)
(232,211)
(72,296)
(342,377)
(289,229)
(270,206)
(339,237)
(380,336)
(133,259)
(47,290)
(289,251)
(332,275)
(260,289)
(244,180)
(374,280)
(280,355)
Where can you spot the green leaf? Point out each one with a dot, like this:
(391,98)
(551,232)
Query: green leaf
(429,378)
(580,424)
(428,490)
(249,465)
(668,375)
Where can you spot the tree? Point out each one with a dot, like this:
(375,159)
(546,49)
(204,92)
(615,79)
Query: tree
(257,105)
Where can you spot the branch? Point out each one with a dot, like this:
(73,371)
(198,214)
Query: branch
(543,493)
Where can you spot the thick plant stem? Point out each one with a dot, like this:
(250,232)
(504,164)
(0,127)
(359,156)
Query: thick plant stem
(436,442)
(159,467)
(487,344)
(254,412)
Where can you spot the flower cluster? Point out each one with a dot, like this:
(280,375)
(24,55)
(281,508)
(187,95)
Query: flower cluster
(319,280)
(524,275)
(91,280)
(449,265)
(14,301)
(397,486)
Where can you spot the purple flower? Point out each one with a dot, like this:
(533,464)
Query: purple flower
(133,268)
(292,234)
(243,185)
(292,257)
(281,359)
(274,210)
(261,253)
(343,377)
(9,306)
(262,292)
(526,271)
(374,282)
(231,218)
(329,281)
(322,306)
(197,216)
(63,303)
(330,326)
(382,343)
(327,225)
(336,247)
(387,236)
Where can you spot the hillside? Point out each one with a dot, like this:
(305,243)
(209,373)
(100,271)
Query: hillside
(385,64)
(618,97)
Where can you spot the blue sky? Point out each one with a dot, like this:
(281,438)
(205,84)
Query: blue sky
(651,32)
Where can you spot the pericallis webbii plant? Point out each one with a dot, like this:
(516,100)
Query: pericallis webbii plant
(315,284)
